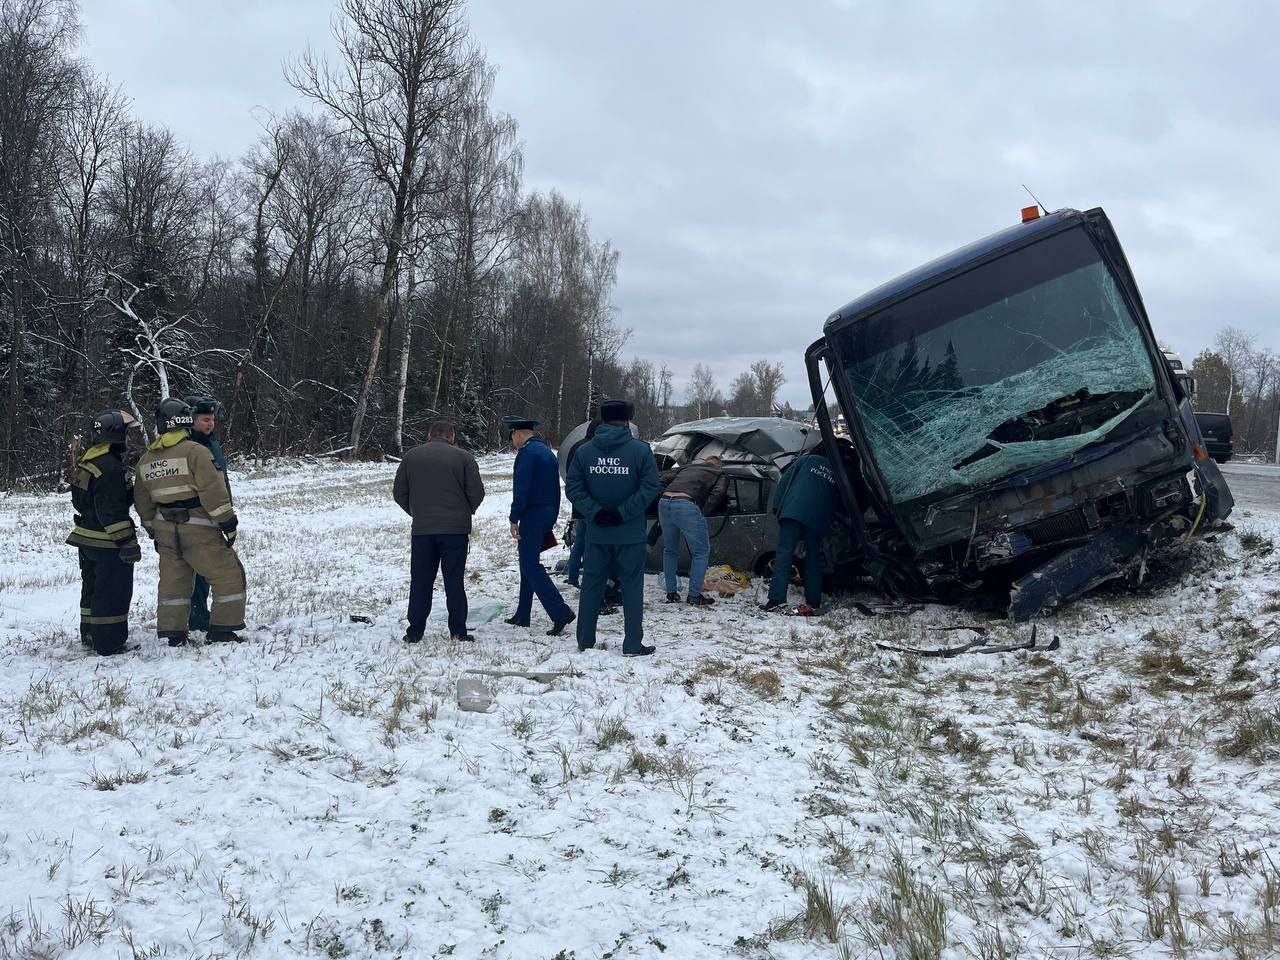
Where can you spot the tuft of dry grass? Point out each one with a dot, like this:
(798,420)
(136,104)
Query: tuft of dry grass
(764,683)
(1255,736)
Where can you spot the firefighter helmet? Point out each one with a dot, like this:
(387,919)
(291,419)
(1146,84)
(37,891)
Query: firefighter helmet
(112,426)
(173,414)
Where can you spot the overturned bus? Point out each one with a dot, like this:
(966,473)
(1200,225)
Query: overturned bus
(1018,432)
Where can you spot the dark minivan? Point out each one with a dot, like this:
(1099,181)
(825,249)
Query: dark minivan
(1219,439)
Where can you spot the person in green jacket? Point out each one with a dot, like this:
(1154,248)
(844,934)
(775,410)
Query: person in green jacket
(805,503)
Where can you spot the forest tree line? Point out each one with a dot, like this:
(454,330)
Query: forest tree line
(1240,377)
(371,263)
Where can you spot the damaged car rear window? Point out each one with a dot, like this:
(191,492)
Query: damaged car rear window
(1010,366)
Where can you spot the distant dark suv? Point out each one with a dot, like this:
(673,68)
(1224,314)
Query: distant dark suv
(1219,438)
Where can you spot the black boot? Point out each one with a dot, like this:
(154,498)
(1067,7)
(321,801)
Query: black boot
(559,625)
(516,622)
(176,638)
(223,636)
(673,597)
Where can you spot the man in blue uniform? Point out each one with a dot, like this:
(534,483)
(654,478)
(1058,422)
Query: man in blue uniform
(204,411)
(805,503)
(535,506)
(612,480)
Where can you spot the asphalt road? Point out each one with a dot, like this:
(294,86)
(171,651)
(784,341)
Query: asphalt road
(1255,486)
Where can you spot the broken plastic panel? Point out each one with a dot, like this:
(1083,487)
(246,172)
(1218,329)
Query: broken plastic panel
(931,386)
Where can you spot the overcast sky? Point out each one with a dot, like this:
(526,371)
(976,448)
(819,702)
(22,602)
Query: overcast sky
(759,164)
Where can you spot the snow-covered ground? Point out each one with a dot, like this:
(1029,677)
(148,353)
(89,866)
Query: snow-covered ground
(763,787)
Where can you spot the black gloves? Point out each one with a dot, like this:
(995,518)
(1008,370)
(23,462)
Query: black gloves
(608,517)
(130,552)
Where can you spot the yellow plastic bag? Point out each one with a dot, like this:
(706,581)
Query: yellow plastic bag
(723,579)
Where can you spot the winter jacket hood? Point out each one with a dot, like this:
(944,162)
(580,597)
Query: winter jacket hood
(613,470)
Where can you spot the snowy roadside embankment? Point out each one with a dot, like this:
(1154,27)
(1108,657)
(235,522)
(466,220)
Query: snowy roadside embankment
(763,787)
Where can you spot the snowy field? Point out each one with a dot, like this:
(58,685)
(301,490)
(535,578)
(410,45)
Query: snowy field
(763,787)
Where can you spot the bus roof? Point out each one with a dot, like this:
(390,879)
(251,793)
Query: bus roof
(954,262)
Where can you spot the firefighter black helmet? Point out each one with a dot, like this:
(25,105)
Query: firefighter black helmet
(112,426)
(173,414)
(200,404)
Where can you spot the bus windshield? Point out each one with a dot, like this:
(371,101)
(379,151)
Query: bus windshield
(1009,366)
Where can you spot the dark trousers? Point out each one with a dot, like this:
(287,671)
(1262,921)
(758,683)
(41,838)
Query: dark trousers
(434,553)
(625,561)
(612,592)
(576,551)
(791,533)
(199,619)
(106,590)
(534,579)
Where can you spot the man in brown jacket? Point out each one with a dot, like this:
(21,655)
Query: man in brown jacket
(438,485)
(184,505)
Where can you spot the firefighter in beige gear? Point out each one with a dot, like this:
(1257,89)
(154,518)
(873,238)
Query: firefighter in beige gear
(183,503)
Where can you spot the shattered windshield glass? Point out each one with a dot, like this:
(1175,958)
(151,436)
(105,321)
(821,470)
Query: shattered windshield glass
(1012,365)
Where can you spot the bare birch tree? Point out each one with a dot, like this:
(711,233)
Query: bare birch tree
(704,395)
(394,83)
(1234,347)
(767,379)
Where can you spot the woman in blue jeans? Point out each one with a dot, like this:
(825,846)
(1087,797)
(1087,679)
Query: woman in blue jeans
(696,488)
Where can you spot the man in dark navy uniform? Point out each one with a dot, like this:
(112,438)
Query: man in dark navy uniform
(535,506)
(611,481)
(805,503)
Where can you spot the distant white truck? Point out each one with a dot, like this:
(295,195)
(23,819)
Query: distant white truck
(1185,378)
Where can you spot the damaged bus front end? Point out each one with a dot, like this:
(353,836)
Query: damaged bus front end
(1017,430)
